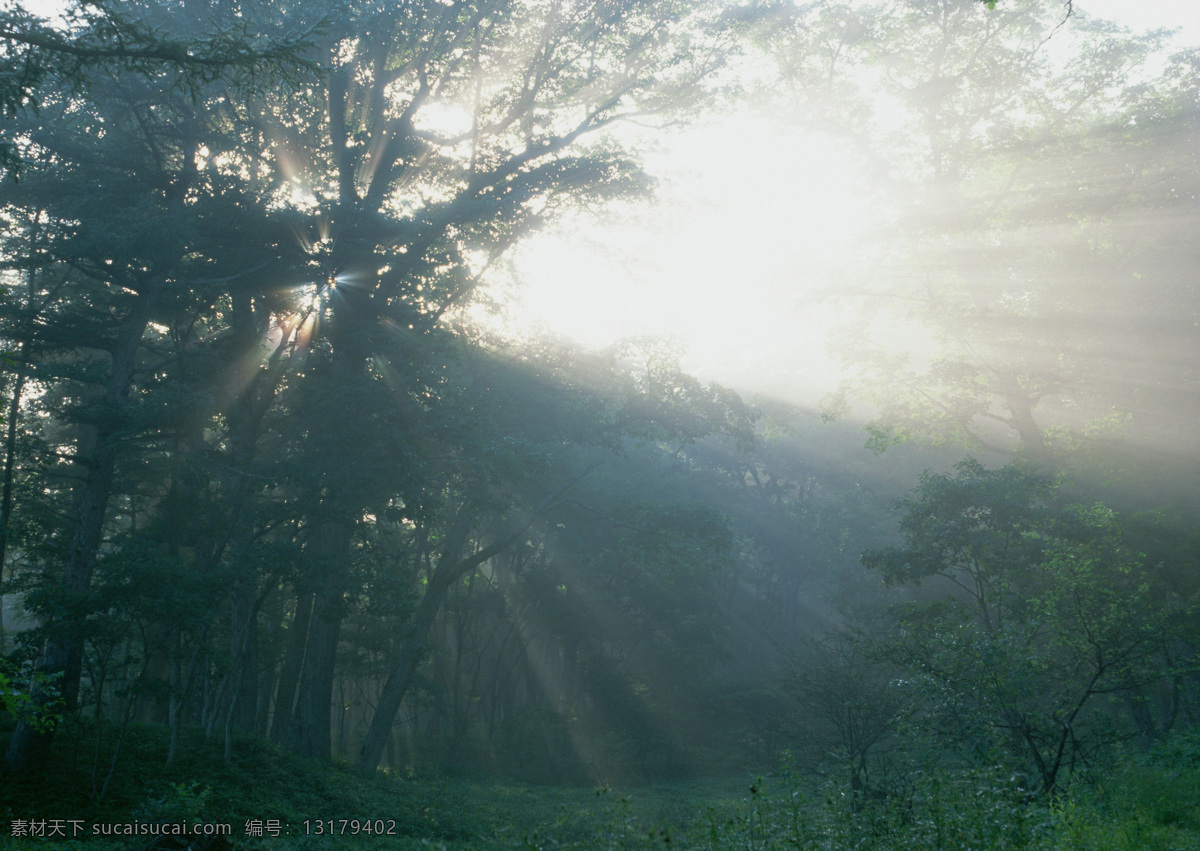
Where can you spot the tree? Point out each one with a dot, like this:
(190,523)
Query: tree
(193,214)
(122,219)
(443,133)
(1018,177)
(1041,610)
(131,37)
(849,704)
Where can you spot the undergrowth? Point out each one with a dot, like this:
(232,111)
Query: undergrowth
(1147,802)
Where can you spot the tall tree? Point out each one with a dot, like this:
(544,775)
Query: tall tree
(132,218)
(442,134)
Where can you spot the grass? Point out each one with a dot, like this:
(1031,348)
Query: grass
(1147,803)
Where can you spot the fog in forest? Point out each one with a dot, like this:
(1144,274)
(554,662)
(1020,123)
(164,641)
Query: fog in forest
(776,249)
(529,419)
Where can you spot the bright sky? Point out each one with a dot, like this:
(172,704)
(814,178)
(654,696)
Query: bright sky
(1148,14)
(752,221)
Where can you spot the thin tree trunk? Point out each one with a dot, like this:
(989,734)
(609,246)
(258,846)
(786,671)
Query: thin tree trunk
(289,677)
(412,650)
(269,675)
(314,703)
(451,567)
(10,462)
(62,656)
(14,415)
(175,704)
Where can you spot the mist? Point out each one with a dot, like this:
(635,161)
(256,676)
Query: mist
(789,245)
(600,425)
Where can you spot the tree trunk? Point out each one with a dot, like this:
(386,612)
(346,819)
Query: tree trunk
(175,701)
(10,463)
(451,567)
(289,676)
(62,657)
(403,673)
(244,657)
(1020,408)
(310,734)
(246,416)
(314,704)
(268,674)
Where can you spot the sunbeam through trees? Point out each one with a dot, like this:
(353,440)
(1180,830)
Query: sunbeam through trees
(405,400)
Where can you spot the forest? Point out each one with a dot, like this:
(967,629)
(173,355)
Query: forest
(306,532)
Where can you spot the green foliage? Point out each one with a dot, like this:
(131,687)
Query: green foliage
(979,524)
(251,47)
(1043,611)
(18,702)
(180,802)
(1142,802)
(676,540)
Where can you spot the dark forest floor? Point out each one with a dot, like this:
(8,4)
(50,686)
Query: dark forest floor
(267,798)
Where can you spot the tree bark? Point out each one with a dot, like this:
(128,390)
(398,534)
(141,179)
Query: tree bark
(1020,408)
